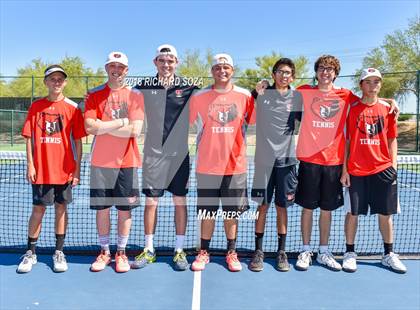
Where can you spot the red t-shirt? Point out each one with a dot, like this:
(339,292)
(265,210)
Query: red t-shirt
(52,125)
(321,138)
(221,118)
(368,130)
(107,104)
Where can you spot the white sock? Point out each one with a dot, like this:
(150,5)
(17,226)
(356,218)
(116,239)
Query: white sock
(323,249)
(149,243)
(306,248)
(104,242)
(179,243)
(122,242)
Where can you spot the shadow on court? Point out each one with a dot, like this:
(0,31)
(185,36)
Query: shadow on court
(158,286)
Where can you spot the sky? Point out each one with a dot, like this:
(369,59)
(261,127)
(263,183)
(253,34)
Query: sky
(244,29)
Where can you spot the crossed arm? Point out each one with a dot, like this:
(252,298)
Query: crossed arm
(121,127)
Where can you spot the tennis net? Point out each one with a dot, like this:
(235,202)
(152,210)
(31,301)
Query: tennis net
(16,205)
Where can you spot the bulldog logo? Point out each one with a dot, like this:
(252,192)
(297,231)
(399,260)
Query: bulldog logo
(325,108)
(370,125)
(50,123)
(223,113)
(117,110)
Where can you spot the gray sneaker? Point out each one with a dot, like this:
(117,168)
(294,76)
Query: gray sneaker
(60,263)
(180,261)
(281,262)
(257,261)
(28,260)
(143,259)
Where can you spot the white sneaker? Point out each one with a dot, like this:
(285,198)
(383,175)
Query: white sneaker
(304,260)
(328,260)
(349,262)
(392,261)
(60,263)
(28,260)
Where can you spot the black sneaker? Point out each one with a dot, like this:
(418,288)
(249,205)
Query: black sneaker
(281,262)
(257,261)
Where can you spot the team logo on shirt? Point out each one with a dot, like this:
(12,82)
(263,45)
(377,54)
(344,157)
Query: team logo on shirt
(325,108)
(116,110)
(370,125)
(223,113)
(50,123)
(178,93)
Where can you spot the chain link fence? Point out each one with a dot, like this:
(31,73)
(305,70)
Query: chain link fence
(17,93)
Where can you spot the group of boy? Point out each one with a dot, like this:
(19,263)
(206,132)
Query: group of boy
(114,114)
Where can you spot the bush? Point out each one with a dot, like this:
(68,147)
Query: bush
(404,117)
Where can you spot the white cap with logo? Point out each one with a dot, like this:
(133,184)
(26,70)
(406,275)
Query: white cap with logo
(166,49)
(368,72)
(117,57)
(222,59)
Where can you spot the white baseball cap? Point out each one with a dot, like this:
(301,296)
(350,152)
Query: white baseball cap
(117,57)
(221,59)
(368,72)
(166,49)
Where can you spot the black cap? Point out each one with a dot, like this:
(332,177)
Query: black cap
(54,68)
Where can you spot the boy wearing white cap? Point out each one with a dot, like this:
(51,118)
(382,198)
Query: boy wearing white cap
(221,113)
(370,168)
(166,164)
(114,114)
(53,125)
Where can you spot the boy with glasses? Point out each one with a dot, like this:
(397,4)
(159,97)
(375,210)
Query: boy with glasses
(277,111)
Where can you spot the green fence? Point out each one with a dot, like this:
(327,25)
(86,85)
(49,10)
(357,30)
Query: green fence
(17,93)
(11,122)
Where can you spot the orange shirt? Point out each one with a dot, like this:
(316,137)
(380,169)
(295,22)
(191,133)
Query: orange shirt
(52,125)
(221,118)
(321,138)
(106,104)
(368,130)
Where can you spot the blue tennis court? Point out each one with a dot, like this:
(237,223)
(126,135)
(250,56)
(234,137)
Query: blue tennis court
(160,287)
(15,209)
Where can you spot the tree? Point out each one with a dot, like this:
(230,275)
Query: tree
(4,90)
(193,65)
(264,69)
(399,52)
(75,68)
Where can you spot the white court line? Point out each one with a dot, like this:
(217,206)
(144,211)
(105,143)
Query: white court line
(410,187)
(196,295)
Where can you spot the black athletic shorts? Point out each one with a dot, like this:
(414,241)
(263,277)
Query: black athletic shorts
(169,173)
(281,179)
(231,190)
(117,187)
(319,187)
(48,194)
(379,191)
